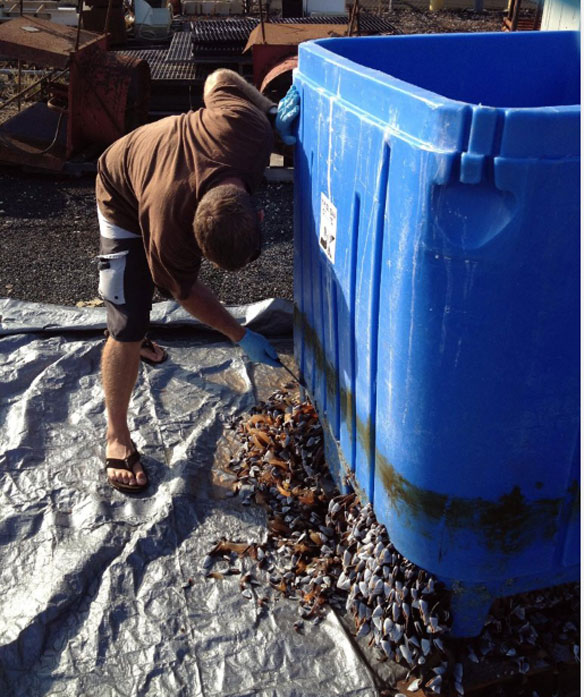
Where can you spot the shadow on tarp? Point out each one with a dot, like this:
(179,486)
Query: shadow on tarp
(104,594)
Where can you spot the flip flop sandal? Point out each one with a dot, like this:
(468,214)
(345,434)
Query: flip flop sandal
(147,344)
(126,464)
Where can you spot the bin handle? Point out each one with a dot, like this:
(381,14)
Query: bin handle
(481,142)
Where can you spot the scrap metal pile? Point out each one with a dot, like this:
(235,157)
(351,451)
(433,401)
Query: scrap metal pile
(327,549)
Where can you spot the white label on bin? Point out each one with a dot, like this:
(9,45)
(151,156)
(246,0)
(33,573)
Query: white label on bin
(328,227)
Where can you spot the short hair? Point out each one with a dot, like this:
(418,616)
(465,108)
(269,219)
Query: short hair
(227,228)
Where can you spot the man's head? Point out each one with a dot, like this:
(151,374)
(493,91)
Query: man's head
(227,227)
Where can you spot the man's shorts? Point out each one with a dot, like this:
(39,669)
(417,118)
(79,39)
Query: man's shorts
(125,282)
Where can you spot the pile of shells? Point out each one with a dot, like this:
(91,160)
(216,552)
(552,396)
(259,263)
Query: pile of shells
(281,466)
(327,549)
(402,608)
(324,548)
(531,628)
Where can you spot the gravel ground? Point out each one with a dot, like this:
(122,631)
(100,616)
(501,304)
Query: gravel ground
(49,233)
(50,238)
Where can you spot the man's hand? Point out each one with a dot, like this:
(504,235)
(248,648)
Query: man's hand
(288,110)
(259,349)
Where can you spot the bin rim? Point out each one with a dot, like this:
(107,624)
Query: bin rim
(322,48)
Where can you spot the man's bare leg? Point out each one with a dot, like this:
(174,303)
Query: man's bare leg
(119,370)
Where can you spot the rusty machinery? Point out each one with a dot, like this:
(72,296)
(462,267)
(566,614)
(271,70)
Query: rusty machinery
(274,43)
(92,96)
(274,47)
(517,20)
(275,52)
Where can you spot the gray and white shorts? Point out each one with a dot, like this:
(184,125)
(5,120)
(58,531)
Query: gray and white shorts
(125,282)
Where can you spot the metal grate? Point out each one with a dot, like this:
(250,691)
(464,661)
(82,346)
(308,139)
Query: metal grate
(161,69)
(218,38)
(313,19)
(181,48)
(369,24)
(229,35)
(223,30)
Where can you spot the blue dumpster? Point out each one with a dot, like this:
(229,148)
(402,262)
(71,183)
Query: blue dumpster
(437,296)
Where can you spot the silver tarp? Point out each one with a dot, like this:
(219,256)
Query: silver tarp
(103,594)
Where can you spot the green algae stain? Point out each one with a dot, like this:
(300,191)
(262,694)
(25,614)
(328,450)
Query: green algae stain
(312,341)
(347,406)
(506,525)
(325,367)
(419,502)
(365,434)
(574,492)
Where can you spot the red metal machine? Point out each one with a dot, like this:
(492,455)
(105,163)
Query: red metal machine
(93,97)
(275,52)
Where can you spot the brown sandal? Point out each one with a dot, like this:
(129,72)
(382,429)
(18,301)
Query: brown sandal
(148,344)
(126,464)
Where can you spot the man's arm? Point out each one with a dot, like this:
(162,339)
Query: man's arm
(226,76)
(202,304)
(282,116)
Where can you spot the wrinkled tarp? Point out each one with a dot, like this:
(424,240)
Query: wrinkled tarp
(95,597)
(272,317)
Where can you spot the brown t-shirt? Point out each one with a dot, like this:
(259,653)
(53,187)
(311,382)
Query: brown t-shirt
(150,181)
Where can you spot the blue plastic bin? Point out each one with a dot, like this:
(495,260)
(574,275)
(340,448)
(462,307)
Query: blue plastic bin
(437,296)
